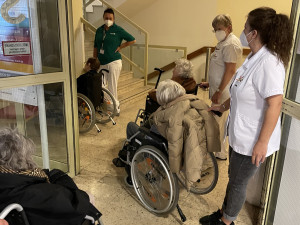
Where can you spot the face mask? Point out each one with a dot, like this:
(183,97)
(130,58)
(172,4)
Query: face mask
(220,35)
(108,22)
(243,39)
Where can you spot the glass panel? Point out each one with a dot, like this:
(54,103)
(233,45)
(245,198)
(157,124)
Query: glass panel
(284,197)
(22,108)
(293,92)
(27,31)
(159,57)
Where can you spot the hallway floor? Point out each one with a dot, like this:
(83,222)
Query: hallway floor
(117,202)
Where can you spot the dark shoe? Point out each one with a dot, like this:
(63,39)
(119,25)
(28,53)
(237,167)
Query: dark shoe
(118,162)
(218,222)
(214,217)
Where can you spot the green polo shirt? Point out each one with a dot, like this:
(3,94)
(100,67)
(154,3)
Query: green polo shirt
(113,38)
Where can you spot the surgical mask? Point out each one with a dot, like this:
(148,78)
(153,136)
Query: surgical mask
(108,22)
(243,39)
(220,35)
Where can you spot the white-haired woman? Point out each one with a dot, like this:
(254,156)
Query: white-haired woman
(191,131)
(182,74)
(47,197)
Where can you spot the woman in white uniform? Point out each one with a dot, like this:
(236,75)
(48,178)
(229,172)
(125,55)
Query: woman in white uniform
(223,62)
(255,103)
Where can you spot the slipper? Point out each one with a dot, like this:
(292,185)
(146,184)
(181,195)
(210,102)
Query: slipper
(118,162)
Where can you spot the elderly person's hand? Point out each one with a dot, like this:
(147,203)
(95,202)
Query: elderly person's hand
(3,222)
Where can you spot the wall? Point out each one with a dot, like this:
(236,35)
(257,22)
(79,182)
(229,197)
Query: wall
(78,36)
(188,23)
(238,10)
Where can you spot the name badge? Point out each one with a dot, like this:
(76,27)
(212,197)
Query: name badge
(101,51)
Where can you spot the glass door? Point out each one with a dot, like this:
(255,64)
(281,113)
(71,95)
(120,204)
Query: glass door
(284,196)
(35,83)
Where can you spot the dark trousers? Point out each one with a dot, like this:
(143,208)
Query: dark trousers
(241,170)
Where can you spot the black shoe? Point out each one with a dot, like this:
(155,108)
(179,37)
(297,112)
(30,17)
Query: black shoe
(218,222)
(118,162)
(214,217)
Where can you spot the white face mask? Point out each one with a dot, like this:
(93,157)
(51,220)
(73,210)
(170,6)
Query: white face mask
(220,35)
(243,39)
(108,22)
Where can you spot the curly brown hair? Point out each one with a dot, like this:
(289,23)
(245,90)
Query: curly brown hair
(275,31)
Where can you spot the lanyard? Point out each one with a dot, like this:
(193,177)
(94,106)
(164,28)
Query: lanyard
(104,35)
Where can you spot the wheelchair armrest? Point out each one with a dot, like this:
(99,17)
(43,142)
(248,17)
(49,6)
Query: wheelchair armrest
(158,138)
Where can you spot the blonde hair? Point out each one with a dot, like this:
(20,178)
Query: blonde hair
(168,90)
(222,19)
(16,150)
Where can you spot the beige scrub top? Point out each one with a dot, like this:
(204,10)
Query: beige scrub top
(227,51)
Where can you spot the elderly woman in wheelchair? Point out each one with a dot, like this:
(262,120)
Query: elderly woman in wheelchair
(48,197)
(177,144)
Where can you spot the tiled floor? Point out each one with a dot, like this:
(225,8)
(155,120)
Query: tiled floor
(118,203)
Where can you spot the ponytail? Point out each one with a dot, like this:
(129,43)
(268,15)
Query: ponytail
(275,31)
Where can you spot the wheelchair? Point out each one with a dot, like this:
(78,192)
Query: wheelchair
(148,170)
(96,108)
(18,216)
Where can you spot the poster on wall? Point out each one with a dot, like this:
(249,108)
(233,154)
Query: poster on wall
(15,49)
(15,42)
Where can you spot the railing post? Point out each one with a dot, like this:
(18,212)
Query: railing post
(208,53)
(146,59)
(130,57)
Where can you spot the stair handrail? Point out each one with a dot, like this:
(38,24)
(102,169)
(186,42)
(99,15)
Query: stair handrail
(140,29)
(191,56)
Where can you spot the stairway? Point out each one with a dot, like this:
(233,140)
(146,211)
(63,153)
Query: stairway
(130,89)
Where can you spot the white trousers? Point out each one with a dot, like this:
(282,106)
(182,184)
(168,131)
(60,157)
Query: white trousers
(111,79)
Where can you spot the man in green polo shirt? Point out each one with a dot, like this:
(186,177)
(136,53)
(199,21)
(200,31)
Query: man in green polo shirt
(108,43)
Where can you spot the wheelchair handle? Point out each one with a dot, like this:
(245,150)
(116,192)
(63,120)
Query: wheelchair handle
(107,71)
(159,75)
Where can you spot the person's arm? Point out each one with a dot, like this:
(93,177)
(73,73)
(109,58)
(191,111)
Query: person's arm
(270,120)
(125,44)
(228,74)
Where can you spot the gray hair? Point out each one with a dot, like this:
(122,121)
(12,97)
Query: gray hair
(222,19)
(168,90)
(184,67)
(16,150)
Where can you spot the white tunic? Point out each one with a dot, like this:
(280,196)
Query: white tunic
(260,77)
(228,51)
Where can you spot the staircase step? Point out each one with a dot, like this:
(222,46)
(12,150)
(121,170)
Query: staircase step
(129,85)
(129,98)
(125,75)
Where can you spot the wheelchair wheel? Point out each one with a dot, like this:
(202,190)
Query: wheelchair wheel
(86,113)
(209,176)
(107,109)
(156,186)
